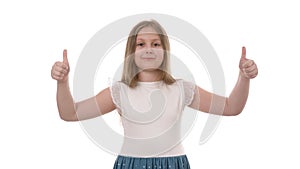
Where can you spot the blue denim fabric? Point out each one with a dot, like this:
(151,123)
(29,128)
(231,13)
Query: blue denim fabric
(174,162)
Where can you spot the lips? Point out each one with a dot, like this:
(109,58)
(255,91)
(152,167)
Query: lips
(148,57)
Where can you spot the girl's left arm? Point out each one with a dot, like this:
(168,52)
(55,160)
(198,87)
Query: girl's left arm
(235,103)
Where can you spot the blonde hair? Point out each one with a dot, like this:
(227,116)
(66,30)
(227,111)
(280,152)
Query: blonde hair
(130,70)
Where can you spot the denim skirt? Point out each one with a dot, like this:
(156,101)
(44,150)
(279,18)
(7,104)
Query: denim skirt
(172,162)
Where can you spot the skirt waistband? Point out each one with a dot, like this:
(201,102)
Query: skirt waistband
(171,162)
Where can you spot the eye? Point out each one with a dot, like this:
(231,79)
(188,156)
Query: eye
(140,44)
(157,44)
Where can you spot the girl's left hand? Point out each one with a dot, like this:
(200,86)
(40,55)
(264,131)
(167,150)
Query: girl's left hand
(248,67)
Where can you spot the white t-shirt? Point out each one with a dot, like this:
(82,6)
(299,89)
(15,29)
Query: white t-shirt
(150,115)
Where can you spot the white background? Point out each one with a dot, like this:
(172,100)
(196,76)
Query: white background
(34,33)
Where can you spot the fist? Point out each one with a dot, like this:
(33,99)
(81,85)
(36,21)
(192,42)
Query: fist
(60,70)
(248,67)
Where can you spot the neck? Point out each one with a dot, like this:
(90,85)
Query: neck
(149,76)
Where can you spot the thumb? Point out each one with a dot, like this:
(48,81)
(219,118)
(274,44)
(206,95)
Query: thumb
(243,57)
(65,57)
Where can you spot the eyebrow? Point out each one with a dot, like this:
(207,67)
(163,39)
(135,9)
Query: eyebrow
(150,39)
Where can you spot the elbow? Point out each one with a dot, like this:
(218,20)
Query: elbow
(232,113)
(237,113)
(68,118)
(230,110)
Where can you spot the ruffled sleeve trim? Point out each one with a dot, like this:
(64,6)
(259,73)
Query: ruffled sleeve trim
(115,94)
(189,91)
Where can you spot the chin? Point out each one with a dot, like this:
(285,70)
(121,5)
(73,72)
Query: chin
(149,69)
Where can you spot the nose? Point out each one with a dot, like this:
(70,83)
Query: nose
(148,50)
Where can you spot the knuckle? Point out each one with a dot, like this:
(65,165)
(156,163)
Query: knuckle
(57,63)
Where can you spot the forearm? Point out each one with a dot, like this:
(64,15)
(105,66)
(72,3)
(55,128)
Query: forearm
(65,102)
(236,101)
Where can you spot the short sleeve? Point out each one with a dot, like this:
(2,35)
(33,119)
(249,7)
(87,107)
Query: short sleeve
(115,94)
(189,91)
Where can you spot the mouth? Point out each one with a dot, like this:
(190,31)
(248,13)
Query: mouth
(148,57)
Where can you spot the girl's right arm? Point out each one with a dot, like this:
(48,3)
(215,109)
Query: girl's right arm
(86,109)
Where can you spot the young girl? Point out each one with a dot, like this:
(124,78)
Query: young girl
(151,130)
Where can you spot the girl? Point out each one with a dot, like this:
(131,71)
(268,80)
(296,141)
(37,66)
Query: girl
(151,130)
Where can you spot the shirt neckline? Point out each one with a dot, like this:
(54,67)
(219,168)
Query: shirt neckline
(150,84)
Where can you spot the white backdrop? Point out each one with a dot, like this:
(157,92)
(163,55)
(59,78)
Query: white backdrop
(34,33)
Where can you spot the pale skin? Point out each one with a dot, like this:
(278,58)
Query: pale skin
(102,103)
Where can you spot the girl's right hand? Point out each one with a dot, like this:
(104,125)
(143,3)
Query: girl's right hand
(60,70)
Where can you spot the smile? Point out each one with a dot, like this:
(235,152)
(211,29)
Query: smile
(148,57)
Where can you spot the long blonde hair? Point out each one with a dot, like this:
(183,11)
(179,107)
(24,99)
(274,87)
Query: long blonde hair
(130,70)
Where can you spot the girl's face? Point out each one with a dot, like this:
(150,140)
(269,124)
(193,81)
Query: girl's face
(149,53)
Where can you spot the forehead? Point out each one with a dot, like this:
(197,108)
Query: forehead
(148,36)
(147,33)
(147,29)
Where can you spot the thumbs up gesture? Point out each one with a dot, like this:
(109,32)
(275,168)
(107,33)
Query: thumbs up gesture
(60,70)
(248,67)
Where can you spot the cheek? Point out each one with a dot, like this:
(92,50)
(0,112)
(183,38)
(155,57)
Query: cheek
(137,59)
(138,53)
(159,52)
